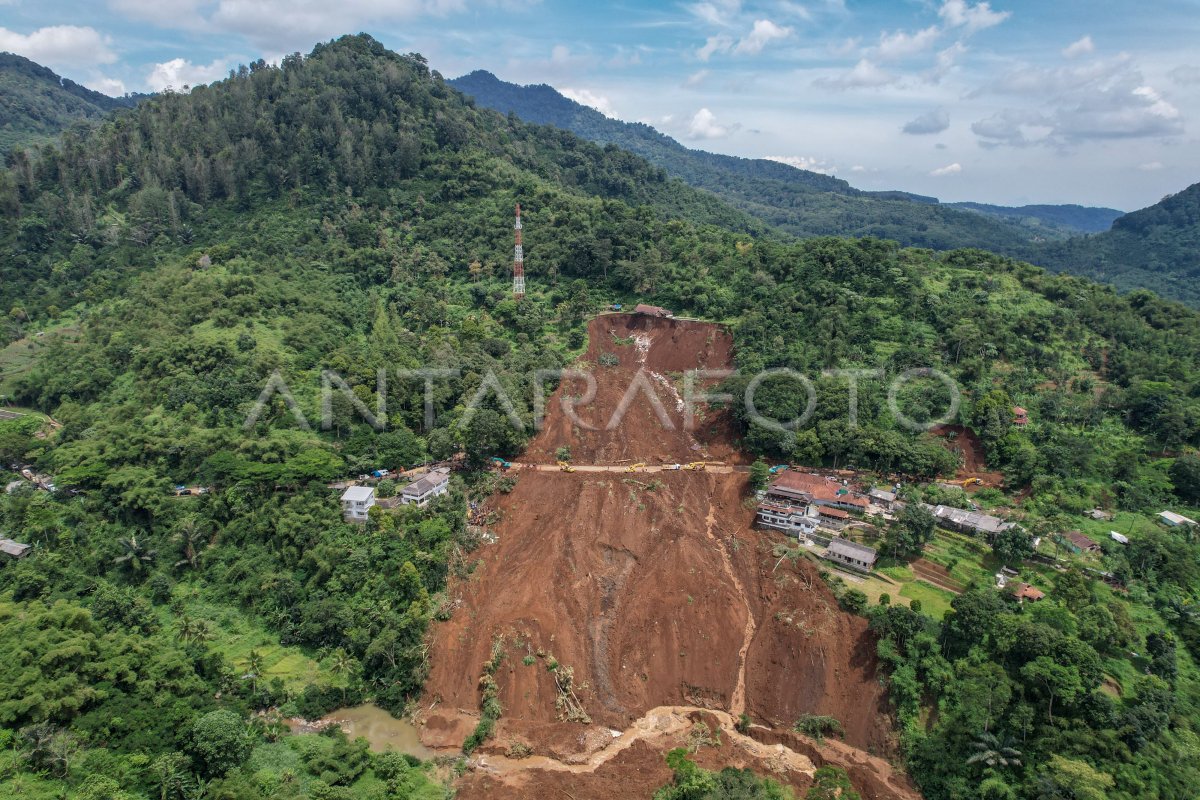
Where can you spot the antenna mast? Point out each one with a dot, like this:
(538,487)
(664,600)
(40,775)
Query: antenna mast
(518,260)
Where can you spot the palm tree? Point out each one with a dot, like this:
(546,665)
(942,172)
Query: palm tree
(135,556)
(193,631)
(254,668)
(989,750)
(342,665)
(190,535)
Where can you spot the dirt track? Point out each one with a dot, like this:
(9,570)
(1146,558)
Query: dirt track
(655,590)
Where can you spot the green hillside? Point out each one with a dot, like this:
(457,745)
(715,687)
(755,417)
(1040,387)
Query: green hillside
(348,211)
(798,201)
(36,105)
(1156,248)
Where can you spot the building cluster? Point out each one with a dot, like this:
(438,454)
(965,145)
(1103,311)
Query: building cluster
(799,504)
(357,501)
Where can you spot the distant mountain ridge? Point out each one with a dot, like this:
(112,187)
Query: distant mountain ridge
(37,104)
(1156,248)
(799,201)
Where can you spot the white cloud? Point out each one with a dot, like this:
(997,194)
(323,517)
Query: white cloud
(589,98)
(934,121)
(949,169)
(946,61)
(805,163)
(1013,127)
(179,72)
(899,45)
(1100,99)
(714,44)
(864,74)
(109,86)
(1151,166)
(704,125)
(1079,47)
(971,18)
(696,78)
(763,33)
(1185,74)
(60,45)
(716,12)
(845,47)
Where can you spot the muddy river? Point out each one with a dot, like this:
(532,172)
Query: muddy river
(381,729)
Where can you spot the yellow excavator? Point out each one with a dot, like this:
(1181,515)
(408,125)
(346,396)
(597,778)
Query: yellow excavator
(635,467)
(565,467)
(695,465)
(969,482)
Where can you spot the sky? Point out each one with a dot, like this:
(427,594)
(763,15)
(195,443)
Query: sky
(1008,101)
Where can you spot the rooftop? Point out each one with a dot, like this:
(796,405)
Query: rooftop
(358,494)
(1176,519)
(1079,540)
(815,486)
(425,484)
(845,547)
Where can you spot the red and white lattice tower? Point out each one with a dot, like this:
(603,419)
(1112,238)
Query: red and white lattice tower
(518,260)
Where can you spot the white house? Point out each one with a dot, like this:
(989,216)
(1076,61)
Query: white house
(851,554)
(1175,520)
(424,489)
(356,502)
(794,520)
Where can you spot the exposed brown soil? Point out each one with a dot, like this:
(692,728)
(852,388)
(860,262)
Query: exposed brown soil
(653,355)
(655,590)
(964,441)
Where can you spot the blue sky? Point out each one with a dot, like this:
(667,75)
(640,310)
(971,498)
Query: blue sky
(1008,101)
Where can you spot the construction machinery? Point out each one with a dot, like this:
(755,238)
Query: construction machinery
(635,467)
(565,467)
(501,463)
(778,468)
(697,465)
(968,482)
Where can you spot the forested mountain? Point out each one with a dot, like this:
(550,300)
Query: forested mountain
(1068,219)
(1156,248)
(36,104)
(349,211)
(799,201)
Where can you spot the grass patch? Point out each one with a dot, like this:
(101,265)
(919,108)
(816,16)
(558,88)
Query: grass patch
(934,601)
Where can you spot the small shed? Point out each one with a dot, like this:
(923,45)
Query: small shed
(1175,520)
(1118,537)
(13,549)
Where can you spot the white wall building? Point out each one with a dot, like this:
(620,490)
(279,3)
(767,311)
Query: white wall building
(424,489)
(356,502)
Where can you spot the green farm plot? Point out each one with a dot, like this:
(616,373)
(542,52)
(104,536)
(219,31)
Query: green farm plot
(966,559)
(17,358)
(235,635)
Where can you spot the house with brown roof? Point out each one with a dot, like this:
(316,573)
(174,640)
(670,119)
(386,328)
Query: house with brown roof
(1020,416)
(1025,592)
(1076,542)
(815,489)
(14,550)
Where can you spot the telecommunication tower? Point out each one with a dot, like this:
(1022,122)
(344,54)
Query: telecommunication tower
(518,260)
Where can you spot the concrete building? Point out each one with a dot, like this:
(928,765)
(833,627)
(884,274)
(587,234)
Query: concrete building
(425,488)
(882,497)
(856,556)
(356,502)
(794,520)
